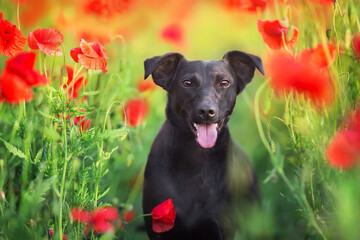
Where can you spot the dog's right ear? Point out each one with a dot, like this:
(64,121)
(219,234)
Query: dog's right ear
(162,68)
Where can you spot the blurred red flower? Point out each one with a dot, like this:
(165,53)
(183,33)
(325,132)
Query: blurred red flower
(318,55)
(273,33)
(83,123)
(73,85)
(303,77)
(173,33)
(163,217)
(51,232)
(344,149)
(80,215)
(356,45)
(343,152)
(101,219)
(91,55)
(19,77)
(129,215)
(47,40)
(248,5)
(135,111)
(147,85)
(64,237)
(12,41)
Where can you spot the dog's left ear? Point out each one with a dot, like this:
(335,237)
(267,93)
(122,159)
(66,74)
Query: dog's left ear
(243,66)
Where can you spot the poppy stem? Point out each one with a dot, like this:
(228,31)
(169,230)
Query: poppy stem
(18,13)
(63,178)
(140,216)
(278,165)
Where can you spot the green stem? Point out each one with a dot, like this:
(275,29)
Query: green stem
(140,216)
(302,201)
(63,178)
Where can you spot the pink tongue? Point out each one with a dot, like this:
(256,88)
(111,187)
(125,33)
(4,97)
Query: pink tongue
(207,135)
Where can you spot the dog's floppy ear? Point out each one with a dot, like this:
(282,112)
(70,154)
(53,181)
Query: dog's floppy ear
(162,68)
(243,66)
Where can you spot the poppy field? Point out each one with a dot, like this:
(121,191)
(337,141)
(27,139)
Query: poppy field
(77,118)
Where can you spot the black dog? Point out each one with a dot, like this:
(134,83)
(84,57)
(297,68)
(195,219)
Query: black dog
(193,159)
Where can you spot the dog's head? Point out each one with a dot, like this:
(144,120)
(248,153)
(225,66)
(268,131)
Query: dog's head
(202,94)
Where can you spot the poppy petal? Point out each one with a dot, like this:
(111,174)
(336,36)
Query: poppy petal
(14,89)
(135,111)
(47,40)
(163,217)
(74,54)
(87,49)
(303,77)
(80,215)
(344,149)
(15,45)
(2,45)
(356,45)
(93,63)
(318,55)
(273,33)
(292,42)
(99,49)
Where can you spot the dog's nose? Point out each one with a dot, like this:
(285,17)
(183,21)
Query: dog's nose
(206,113)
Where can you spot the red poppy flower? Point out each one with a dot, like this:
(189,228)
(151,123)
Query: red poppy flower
(356,45)
(129,215)
(80,215)
(273,33)
(18,77)
(135,111)
(12,41)
(51,232)
(73,85)
(344,150)
(64,237)
(90,55)
(303,77)
(173,33)
(103,219)
(163,217)
(318,55)
(47,40)
(100,219)
(147,85)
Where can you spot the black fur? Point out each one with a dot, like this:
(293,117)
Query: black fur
(207,185)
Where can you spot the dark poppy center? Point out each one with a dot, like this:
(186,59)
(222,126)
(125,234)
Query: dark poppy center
(7,30)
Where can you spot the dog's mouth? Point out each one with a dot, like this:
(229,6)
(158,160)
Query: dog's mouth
(206,133)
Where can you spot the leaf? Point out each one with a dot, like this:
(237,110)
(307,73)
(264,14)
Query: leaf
(116,133)
(90,93)
(46,115)
(104,193)
(14,150)
(51,89)
(130,159)
(38,156)
(51,133)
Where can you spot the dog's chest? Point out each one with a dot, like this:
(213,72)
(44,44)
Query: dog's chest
(201,187)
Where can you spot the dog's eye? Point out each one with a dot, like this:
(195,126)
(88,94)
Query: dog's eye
(187,83)
(224,83)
